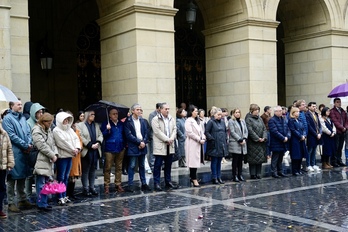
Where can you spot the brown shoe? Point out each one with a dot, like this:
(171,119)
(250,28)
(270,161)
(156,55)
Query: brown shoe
(119,189)
(13,208)
(106,189)
(326,166)
(25,205)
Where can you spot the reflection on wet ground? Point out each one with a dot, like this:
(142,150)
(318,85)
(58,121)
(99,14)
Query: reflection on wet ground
(312,202)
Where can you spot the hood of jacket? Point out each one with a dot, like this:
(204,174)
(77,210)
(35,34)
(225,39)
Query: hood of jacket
(35,108)
(60,118)
(26,109)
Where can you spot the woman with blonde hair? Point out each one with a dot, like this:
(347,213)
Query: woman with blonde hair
(215,132)
(237,143)
(257,141)
(48,154)
(298,149)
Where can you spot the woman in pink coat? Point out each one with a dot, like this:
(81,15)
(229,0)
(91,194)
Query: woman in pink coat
(195,138)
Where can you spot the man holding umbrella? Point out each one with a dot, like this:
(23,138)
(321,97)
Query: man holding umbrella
(113,132)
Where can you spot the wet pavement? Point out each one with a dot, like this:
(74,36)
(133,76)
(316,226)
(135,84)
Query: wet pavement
(312,202)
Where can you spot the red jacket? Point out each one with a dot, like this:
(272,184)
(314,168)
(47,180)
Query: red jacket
(339,119)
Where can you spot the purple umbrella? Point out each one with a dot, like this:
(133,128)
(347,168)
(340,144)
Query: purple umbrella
(339,91)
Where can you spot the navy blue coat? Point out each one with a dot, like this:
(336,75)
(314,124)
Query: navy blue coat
(314,128)
(132,141)
(278,129)
(215,132)
(298,149)
(114,138)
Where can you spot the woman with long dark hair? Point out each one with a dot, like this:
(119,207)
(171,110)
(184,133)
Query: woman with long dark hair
(195,138)
(329,141)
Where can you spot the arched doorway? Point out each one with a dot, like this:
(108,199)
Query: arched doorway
(190,69)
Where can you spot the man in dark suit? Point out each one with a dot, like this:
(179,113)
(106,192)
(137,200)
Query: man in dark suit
(136,135)
(339,118)
(313,137)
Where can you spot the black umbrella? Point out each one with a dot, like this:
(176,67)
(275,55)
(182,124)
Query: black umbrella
(102,108)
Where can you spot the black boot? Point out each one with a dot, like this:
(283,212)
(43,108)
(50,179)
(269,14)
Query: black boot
(214,181)
(70,190)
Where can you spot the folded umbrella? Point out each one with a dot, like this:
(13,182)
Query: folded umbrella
(7,95)
(102,108)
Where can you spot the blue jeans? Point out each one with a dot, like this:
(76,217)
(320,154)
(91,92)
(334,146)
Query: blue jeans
(215,167)
(311,161)
(63,171)
(131,166)
(167,168)
(41,198)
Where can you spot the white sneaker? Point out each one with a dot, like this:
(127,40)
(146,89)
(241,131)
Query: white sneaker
(67,200)
(111,174)
(61,201)
(316,168)
(149,171)
(310,169)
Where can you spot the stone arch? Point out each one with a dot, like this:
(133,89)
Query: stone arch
(305,33)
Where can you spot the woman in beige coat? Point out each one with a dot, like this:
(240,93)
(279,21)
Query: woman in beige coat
(6,164)
(48,153)
(195,138)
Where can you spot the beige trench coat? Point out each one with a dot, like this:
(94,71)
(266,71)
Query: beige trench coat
(160,137)
(194,133)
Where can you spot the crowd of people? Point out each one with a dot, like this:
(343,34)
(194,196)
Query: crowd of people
(38,147)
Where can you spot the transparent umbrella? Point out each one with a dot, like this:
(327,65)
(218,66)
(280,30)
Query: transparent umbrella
(7,95)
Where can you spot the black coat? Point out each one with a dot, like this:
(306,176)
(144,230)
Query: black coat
(215,131)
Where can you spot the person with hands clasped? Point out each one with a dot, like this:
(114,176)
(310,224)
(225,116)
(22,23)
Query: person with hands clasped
(16,126)
(329,142)
(68,145)
(280,135)
(136,135)
(298,149)
(7,163)
(92,139)
(48,154)
(164,134)
(237,143)
(195,138)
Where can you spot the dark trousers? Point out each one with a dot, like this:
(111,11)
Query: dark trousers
(167,168)
(337,158)
(88,173)
(3,174)
(276,162)
(193,173)
(237,164)
(255,169)
(296,165)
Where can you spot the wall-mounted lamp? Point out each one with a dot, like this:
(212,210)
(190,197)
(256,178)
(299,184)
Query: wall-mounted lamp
(191,14)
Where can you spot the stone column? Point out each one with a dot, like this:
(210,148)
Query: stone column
(241,64)
(5,46)
(137,56)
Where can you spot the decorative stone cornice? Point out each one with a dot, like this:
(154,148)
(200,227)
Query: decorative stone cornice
(5,7)
(315,35)
(235,25)
(20,16)
(137,8)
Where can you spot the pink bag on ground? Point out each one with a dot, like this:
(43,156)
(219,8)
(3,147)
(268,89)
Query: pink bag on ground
(53,188)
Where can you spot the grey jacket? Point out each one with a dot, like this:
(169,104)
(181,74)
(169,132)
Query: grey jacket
(236,137)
